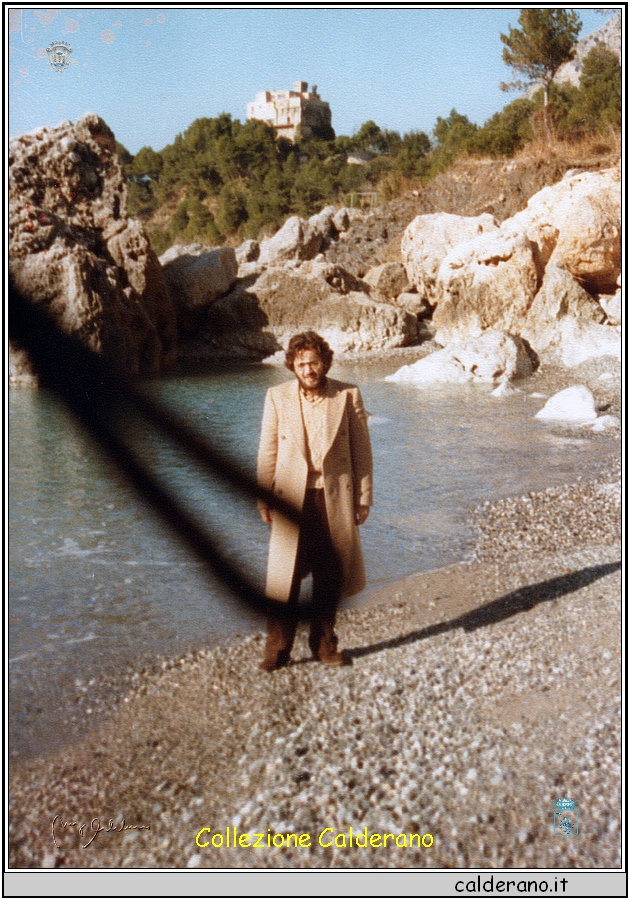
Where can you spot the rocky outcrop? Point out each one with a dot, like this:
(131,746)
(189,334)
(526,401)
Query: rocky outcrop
(262,313)
(293,241)
(73,250)
(388,280)
(609,35)
(429,239)
(196,277)
(489,282)
(560,298)
(549,273)
(494,358)
(576,224)
(301,239)
(350,321)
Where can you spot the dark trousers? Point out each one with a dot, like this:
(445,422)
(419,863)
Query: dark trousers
(315,555)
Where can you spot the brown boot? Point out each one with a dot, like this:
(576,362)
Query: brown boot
(323,643)
(280,637)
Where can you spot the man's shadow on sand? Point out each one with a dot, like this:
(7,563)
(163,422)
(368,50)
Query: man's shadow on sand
(510,605)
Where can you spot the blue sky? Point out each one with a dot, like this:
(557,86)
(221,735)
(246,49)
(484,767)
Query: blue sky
(151,71)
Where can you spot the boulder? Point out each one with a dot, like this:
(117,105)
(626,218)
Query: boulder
(574,405)
(437,368)
(322,223)
(429,238)
(296,240)
(336,276)
(560,296)
(576,224)
(581,341)
(342,219)
(292,302)
(494,358)
(388,280)
(611,304)
(73,250)
(414,303)
(196,277)
(488,282)
(248,251)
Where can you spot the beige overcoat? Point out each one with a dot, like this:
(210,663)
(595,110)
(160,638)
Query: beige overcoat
(346,470)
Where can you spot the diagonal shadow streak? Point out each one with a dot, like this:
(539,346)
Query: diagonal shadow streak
(502,608)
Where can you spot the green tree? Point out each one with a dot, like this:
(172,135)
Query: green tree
(125,157)
(311,188)
(411,158)
(231,211)
(454,135)
(598,101)
(201,226)
(506,131)
(545,40)
(370,137)
(146,164)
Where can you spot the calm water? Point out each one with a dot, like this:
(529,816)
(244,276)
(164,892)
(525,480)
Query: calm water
(98,586)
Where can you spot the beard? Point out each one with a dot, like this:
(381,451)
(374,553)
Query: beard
(314,385)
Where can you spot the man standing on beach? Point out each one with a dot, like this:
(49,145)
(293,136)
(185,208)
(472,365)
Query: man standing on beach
(314,453)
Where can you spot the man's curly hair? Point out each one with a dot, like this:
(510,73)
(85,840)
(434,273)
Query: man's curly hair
(308,340)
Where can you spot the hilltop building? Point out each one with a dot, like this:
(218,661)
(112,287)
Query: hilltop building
(286,110)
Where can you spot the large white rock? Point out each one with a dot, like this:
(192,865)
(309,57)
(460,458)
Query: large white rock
(575,405)
(488,282)
(247,252)
(576,224)
(560,297)
(611,304)
(428,239)
(580,342)
(437,368)
(196,277)
(388,280)
(494,358)
(294,241)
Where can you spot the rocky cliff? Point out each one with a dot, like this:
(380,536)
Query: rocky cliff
(609,35)
(73,249)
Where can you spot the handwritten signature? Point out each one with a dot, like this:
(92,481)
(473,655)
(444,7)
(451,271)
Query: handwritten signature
(94,828)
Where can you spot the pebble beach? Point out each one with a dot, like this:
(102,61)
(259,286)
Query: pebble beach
(478,696)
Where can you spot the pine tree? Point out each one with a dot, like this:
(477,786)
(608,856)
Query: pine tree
(545,40)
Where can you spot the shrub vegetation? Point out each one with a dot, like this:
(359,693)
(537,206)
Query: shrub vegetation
(222,181)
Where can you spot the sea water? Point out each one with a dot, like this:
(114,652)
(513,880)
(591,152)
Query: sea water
(98,586)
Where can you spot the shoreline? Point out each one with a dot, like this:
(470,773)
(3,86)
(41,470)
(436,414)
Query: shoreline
(209,740)
(100,694)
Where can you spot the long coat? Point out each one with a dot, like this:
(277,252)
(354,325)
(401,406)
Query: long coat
(346,470)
